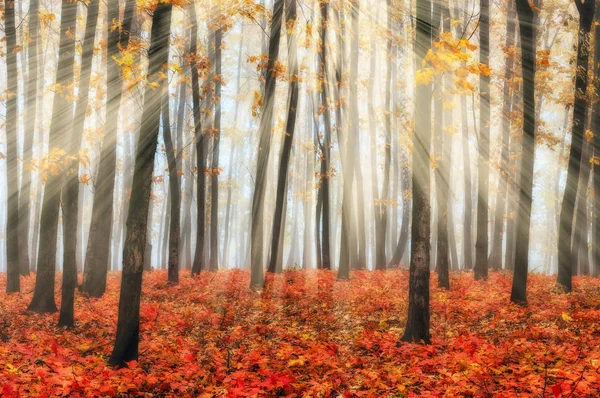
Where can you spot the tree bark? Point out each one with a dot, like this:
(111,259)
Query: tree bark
(586,14)
(495,259)
(71,191)
(199,137)
(98,250)
(527,25)
(62,121)
(31,87)
(13,284)
(482,243)
(417,324)
(127,340)
(264,150)
(286,150)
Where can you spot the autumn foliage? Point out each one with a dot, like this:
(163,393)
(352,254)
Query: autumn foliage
(308,335)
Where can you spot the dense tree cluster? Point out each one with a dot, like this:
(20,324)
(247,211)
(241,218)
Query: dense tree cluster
(438,136)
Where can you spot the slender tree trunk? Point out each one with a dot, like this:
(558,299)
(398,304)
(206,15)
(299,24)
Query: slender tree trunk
(417,323)
(127,340)
(596,143)
(481,245)
(71,191)
(12,166)
(200,148)
(264,149)
(97,254)
(579,247)
(175,193)
(527,25)
(326,147)
(495,259)
(586,14)
(214,185)
(467,223)
(31,87)
(286,150)
(62,121)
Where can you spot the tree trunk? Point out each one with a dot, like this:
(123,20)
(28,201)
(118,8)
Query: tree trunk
(175,193)
(264,150)
(467,223)
(214,185)
(97,254)
(43,295)
(596,143)
(127,340)
(286,150)
(527,25)
(12,166)
(481,244)
(199,263)
(495,259)
(417,323)
(586,14)
(71,190)
(31,87)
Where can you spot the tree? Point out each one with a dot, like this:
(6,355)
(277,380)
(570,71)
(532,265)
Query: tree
(127,340)
(290,128)
(324,221)
(495,259)
(199,138)
(71,189)
(31,87)
(417,323)
(214,184)
(98,249)
(62,121)
(565,260)
(12,225)
(264,150)
(596,144)
(527,27)
(174,190)
(481,244)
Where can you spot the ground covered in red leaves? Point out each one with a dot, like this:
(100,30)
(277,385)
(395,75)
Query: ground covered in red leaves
(308,335)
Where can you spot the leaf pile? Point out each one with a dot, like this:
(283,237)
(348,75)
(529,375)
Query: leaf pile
(308,335)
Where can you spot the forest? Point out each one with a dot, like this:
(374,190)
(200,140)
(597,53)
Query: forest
(299,198)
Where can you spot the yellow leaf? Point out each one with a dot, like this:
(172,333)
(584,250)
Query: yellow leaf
(566,317)
(424,76)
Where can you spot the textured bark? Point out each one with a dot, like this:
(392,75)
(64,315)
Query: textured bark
(174,193)
(596,129)
(199,263)
(43,295)
(354,138)
(326,146)
(264,150)
(579,248)
(586,14)
(98,250)
(30,120)
(495,259)
(527,25)
(468,206)
(127,340)
(71,190)
(214,184)
(482,242)
(417,323)
(12,166)
(286,150)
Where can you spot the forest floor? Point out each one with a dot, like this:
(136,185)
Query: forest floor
(308,335)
